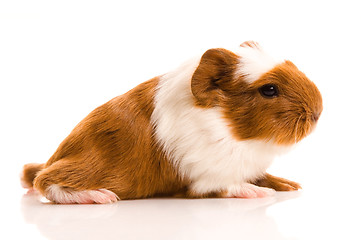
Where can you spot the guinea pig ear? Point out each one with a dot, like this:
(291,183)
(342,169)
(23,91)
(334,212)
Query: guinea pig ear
(251,44)
(215,68)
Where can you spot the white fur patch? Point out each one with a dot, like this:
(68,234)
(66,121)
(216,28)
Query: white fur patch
(198,141)
(254,62)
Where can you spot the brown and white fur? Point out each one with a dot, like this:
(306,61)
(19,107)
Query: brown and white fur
(202,130)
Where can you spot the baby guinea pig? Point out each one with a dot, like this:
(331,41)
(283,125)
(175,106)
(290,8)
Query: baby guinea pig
(210,128)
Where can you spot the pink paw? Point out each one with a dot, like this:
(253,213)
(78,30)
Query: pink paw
(59,194)
(247,190)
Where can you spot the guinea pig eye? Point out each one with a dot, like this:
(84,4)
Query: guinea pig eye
(268,91)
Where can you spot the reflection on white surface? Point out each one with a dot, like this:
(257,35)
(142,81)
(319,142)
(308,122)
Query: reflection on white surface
(157,218)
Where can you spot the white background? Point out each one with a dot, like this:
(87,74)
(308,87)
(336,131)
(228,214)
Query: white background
(61,59)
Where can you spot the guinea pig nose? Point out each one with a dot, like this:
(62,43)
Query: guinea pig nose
(315,116)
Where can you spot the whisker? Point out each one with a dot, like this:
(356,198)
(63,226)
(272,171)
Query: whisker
(298,121)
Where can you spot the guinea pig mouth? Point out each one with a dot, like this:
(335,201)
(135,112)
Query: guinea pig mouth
(304,125)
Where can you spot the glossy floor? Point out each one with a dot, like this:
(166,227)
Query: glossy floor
(287,215)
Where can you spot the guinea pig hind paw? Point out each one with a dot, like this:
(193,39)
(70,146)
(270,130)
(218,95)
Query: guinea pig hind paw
(247,190)
(59,194)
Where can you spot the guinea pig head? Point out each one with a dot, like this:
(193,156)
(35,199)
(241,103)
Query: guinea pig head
(261,99)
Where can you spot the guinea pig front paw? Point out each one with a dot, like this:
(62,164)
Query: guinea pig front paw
(247,190)
(277,183)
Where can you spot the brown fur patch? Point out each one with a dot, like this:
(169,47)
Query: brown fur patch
(114,148)
(29,172)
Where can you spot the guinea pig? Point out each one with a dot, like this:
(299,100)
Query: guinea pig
(210,128)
